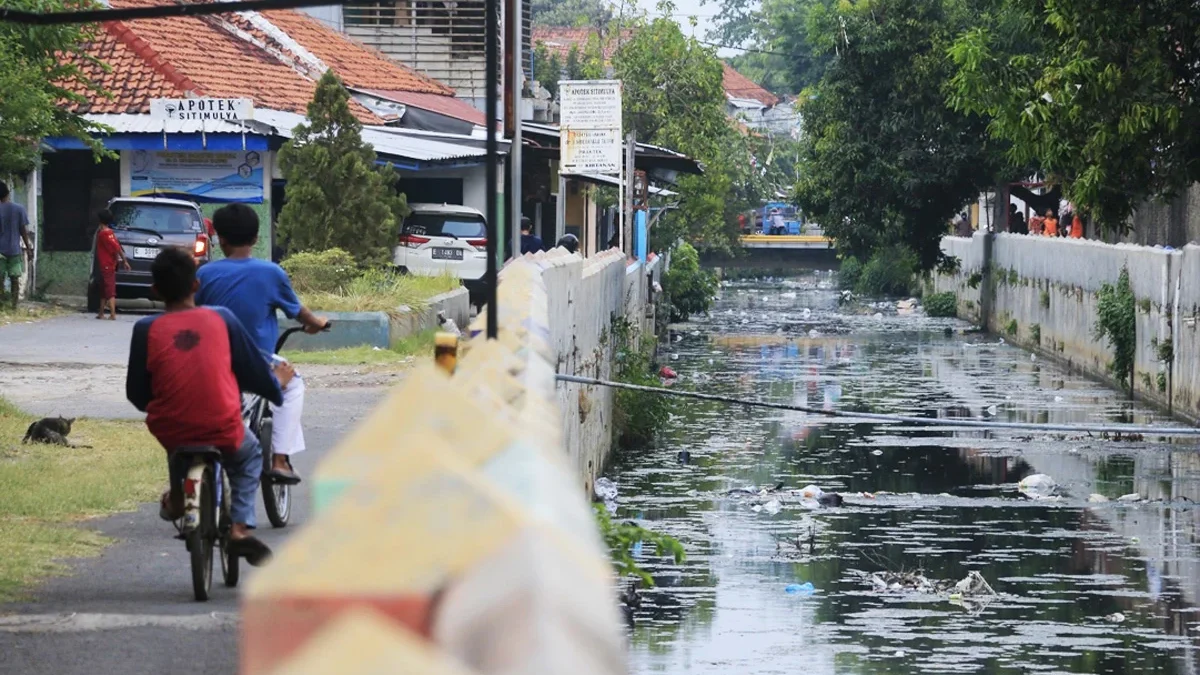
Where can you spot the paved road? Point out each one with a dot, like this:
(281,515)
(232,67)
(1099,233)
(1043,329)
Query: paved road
(130,610)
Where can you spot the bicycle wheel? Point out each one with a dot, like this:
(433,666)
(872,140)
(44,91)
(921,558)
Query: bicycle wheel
(200,540)
(230,564)
(277,497)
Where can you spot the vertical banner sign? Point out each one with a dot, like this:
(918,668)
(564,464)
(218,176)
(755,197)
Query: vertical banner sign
(590,114)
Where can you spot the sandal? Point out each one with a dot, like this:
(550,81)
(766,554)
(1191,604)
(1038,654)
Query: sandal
(252,549)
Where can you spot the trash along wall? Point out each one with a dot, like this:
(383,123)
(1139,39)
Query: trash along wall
(1043,293)
(450,532)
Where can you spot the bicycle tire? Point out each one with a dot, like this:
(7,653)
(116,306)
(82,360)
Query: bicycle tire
(277,498)
(230,564)
(200,541)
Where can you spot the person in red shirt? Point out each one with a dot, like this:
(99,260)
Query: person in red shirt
(187,369)
(108,255)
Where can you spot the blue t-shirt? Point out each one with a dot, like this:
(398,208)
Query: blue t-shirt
(252,289)
(13,224)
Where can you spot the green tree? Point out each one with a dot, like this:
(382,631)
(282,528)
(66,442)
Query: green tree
(778,56)
(547,68)
(42,77)
(1100,95)
(885,161)
(673,97)
(336,196)
(690,288)
(571,13)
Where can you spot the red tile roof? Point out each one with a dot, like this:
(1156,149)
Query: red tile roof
(130,78)
(230,56)
(357,64)
(560,40)
(738,85)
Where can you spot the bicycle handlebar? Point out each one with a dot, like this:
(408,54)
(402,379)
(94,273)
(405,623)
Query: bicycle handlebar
(296,329)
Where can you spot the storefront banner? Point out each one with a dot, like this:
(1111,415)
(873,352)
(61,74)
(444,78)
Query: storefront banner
(217,177)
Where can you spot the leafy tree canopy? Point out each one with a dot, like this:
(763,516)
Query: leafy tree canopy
(336,195)
(1100,94)
(884,160)
(673,96)
(39,85)
(571,13)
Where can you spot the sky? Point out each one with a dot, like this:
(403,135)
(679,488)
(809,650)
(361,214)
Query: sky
(705,13)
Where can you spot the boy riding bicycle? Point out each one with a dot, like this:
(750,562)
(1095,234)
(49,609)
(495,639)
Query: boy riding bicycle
(187,369)
(253,290)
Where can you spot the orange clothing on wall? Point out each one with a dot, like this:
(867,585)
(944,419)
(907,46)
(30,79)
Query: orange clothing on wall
(1051,227)
(1077,227)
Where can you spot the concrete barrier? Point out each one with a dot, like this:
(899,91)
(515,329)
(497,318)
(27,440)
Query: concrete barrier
(1042,293)
(381,329)
(454,514)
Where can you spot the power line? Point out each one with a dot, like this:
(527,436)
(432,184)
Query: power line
(152,11)
(1122,429)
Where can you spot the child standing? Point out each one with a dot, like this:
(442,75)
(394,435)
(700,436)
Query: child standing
(108,255)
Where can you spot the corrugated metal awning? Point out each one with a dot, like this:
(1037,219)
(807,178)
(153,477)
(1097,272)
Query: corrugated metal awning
(388,143)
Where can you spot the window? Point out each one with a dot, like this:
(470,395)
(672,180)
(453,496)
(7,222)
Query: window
(157,218)
(446,225)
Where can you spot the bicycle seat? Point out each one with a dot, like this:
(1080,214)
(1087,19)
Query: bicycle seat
(206,451)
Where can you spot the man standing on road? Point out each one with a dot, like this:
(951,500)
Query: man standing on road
(14,228)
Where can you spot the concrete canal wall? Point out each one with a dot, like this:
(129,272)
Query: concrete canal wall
(1042,293)
(448,532)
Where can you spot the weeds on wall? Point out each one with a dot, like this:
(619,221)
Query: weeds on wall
(975,279)
(637,415)
(1117,322)
(1012,327)
(1035,333)
(622,537)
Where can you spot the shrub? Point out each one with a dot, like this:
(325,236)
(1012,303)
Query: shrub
(689,288)
(849,274)
(888,272)
(377,290)
(1035,333)
(942,304)
(321,272)
(1012,327)
(1045,299)
(1118,322)
(975,279)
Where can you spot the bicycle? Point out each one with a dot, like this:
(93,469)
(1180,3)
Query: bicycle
(256,412)
(206,522)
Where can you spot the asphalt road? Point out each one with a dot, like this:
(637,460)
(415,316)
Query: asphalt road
(130,610)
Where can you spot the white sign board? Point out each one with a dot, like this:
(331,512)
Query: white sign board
(202,109)
(590,126)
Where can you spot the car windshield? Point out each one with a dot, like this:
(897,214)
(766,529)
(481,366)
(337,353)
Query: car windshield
(445,225)
(161,218)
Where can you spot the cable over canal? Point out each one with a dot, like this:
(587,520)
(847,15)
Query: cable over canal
(1122,429)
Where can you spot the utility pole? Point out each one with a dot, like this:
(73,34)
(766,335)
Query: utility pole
(512,115)
(627,194)
(492,81)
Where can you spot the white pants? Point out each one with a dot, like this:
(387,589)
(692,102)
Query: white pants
(287,436)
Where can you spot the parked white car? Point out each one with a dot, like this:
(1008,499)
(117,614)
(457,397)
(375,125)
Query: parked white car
(440,238)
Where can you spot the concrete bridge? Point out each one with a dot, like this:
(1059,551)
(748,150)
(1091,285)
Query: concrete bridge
(779,251)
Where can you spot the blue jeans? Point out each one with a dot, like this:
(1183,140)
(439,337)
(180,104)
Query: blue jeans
(244,469)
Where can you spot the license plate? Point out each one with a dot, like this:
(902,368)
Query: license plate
(447,254)
(139,252)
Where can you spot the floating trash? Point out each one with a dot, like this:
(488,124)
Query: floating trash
(805,588)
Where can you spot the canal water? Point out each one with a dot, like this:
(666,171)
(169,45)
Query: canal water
(1083,587)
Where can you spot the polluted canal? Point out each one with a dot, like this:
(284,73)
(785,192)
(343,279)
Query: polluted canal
(1076,576)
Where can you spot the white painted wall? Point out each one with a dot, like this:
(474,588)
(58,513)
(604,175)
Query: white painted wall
(474,183)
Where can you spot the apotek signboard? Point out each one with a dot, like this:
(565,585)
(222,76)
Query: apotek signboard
(202,109)
(590,126)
